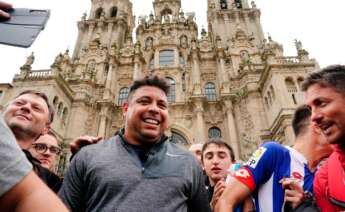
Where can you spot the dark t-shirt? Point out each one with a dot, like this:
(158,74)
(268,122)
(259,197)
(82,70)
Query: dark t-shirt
(51,180)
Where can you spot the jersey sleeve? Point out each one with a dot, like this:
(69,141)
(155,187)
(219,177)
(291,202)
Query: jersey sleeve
(261,165)
(13,164)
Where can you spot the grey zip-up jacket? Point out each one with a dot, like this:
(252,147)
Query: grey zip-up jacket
(108,176)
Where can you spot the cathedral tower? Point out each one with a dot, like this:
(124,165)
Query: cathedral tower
(110,22)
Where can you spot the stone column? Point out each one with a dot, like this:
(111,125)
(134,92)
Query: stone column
(137,72)
(110,29)
(91,28)
(107,91)
(234,143)
(196,75)
(223,76)
(200,126)
(103,121)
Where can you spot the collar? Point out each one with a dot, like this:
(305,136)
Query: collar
(297,155)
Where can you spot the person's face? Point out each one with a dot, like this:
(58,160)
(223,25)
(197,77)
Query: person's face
(216,161)
(328,111)
(146,115)
(196,150)
(27,114)
(47,158)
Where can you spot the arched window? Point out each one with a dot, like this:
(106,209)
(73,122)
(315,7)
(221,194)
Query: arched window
(59,110)
(210,91)
(273,93)
(123,94)
(266,103)
(223,4)
(55,101)
(166,58)
(172,90)
(113,12)
(177,138)
(64,115)
(290,85)
(214,132)
(98,13)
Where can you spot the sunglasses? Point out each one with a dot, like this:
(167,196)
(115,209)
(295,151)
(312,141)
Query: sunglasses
(42,148)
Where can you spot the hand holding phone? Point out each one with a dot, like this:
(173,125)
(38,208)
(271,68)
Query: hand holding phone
(23,26)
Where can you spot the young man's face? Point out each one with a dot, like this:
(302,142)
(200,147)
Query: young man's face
(328,111)
(196,150)
(216,161)
(28,114)
(48,157)
(146,115)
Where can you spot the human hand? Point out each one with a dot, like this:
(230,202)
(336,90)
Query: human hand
(82,141)
(294,192)
(4,6)
(218,191)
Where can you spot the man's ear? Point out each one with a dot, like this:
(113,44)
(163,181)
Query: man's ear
(46,129)
(124,108)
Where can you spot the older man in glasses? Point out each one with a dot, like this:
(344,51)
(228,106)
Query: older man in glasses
(46,149)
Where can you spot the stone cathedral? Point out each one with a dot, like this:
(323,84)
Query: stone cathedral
(230,81)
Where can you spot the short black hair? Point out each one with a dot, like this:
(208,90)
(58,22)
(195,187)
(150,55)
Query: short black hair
(218,142)
(301,120)
(330,76)
(44,97)
(154,81)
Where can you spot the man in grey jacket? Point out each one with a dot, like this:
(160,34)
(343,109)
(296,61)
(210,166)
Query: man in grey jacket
(138,169)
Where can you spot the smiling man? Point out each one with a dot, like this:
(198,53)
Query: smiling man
(138,169)
(325,94)
(29,116)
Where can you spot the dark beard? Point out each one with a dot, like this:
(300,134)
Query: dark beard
(23,134)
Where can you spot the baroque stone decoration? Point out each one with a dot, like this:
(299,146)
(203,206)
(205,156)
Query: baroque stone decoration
(230,79)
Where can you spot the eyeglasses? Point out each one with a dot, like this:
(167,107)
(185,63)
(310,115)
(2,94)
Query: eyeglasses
(42,148)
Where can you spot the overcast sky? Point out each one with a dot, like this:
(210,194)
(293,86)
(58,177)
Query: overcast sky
(318,24)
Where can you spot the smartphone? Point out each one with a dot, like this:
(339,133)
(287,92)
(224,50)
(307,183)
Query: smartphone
(23,27)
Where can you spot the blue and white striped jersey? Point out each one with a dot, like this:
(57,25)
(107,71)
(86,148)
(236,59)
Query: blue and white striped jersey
(263,172)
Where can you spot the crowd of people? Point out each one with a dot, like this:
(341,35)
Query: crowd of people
(138,169)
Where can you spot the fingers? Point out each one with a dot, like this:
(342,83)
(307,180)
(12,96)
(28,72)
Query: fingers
(4,6)
(82,141)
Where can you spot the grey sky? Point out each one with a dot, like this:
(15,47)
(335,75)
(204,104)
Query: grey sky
(318,24)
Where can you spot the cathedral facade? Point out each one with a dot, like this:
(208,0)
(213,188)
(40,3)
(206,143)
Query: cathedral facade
(230,81)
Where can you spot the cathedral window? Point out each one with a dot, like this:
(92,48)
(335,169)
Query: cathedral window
(166,58)
(123,94)
(223,4)
(113,12)
(290,85)
(238,4)
(177,138)
(210,91)
(214,132)
(98,13)
(172,90)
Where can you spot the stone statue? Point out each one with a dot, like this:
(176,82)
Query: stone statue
(58,59)
(83,18)
(298,45)
(253,4)
(66,57)
(102,17)
(30,60)
(137,47)
(184,41)
(148,43)
(166,18)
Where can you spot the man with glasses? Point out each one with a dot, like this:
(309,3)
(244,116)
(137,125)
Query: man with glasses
(46,149)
